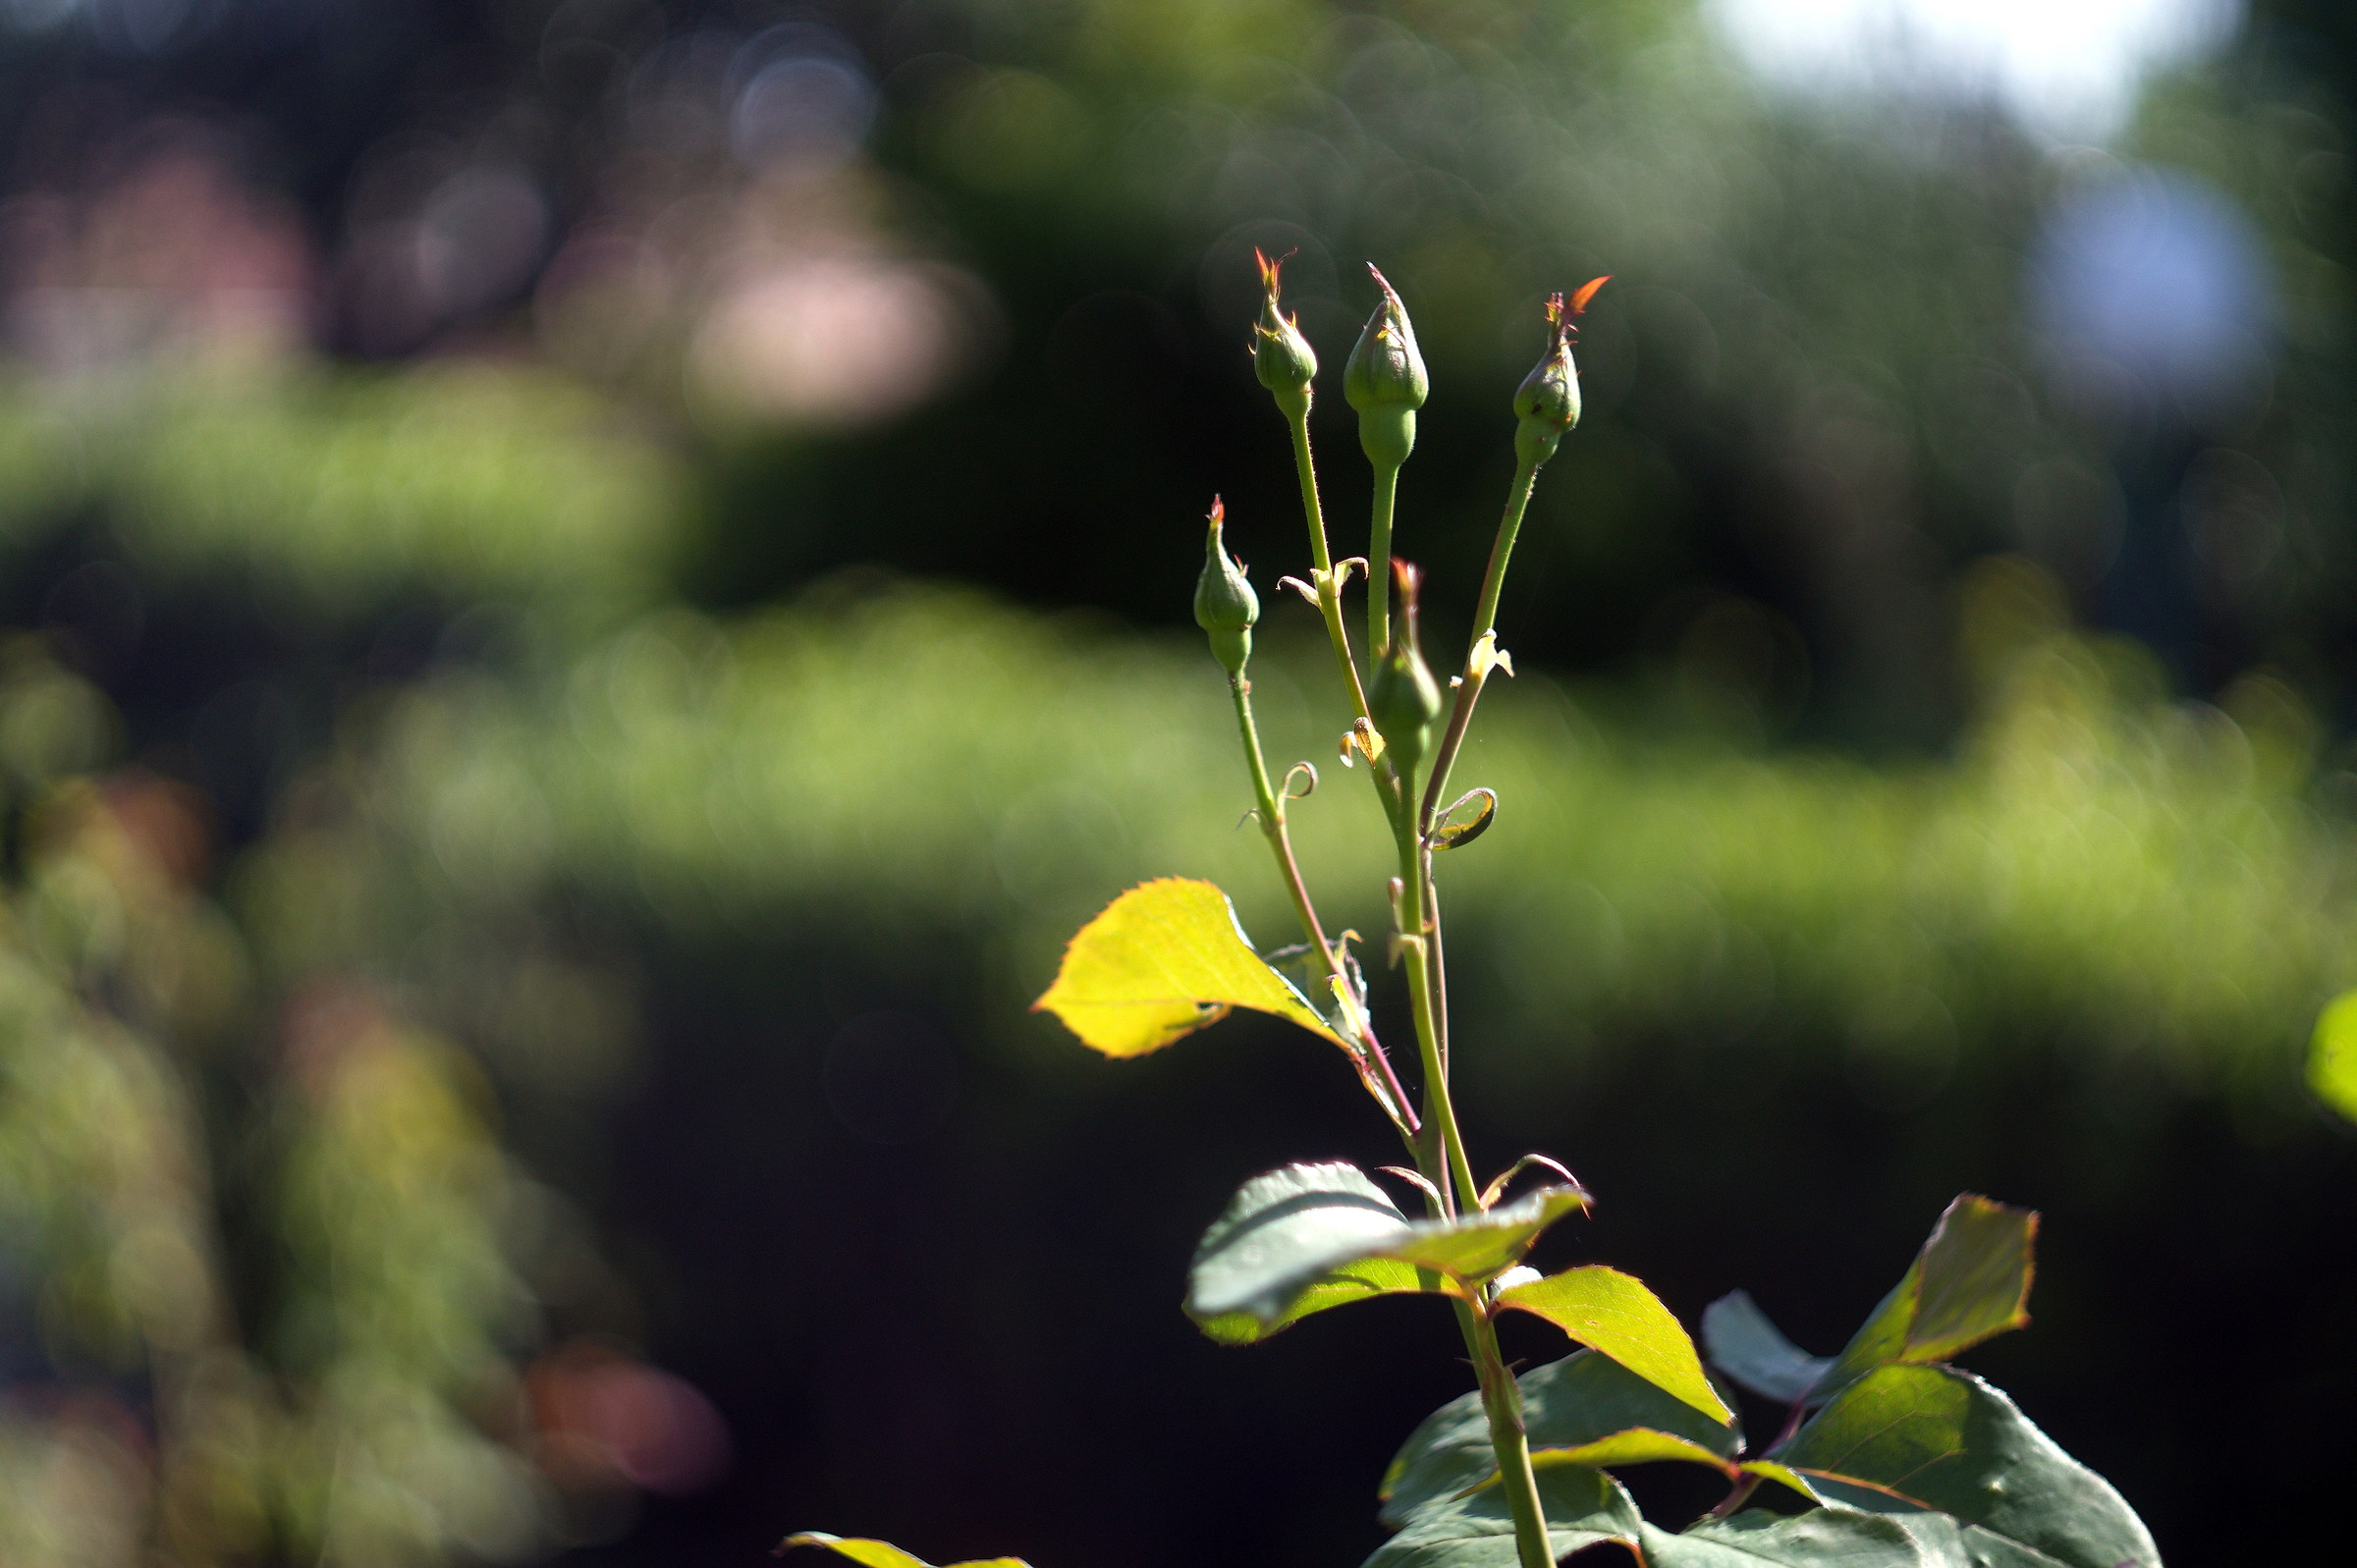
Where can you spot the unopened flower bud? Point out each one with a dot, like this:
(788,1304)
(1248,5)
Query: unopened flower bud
(1546,403)
(1385,381)
(1403,700)
(1281,358)
(1225,607)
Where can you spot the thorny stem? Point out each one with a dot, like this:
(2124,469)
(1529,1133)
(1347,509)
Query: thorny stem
(1501,1397)
(1501,1402)
(1460,1189)
(1280,845)
(1379,560)
(1485,622)
(1428,990)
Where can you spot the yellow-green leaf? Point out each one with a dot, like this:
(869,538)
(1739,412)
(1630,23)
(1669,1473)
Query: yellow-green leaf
(1160,962)
(2332,1056)
(883,1554)
(1614,1313)
(1638,1445)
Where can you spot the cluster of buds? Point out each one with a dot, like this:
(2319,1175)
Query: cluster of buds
(1386,382)
(1546,403)
(1225,607)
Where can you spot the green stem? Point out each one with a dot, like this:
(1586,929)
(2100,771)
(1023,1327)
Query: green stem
(1389,787)
(1280,845)
(1330,599)
(1485,622)
(1501,1398)
(1501,1402)
(1460,1189)
(1379,561)
(1493,581)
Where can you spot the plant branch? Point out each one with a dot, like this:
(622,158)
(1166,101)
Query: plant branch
(1458,1184)
(1485,623)
(1501,1402)
(1418,911)
(1272,823)
(1330,599)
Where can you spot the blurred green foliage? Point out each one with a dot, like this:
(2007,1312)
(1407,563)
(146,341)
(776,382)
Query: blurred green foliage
(329,496)
(2099,862)
(336,1412)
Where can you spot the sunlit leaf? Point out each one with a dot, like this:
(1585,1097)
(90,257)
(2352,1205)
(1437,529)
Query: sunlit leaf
(1311,1236)
(1971,1281)
(1161,962)
(2332,1056)
(1567,1405)
(1612,1312)
(1939,1439)
(1786,1475)
(1582,1506)
(1976,1278)
(1476,1247)
(1639,1445)
(1742,1343)
(1822,1538)
(883,1554)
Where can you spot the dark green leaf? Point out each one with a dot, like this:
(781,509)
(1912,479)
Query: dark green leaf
(1936,1437)
(1304,1238)
(1742,1343)
(1583,1507)
(1355,1281)
(1606,1310)
(1822,1538)
(1971,1281)
(1582,1399)
(1284,1230)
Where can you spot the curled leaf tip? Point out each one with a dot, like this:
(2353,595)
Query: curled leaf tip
(1588,291)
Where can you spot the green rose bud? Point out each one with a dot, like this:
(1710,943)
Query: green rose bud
(1546,403)
(1385,381)
(1281,358)
(1403,700)
(1225,607)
